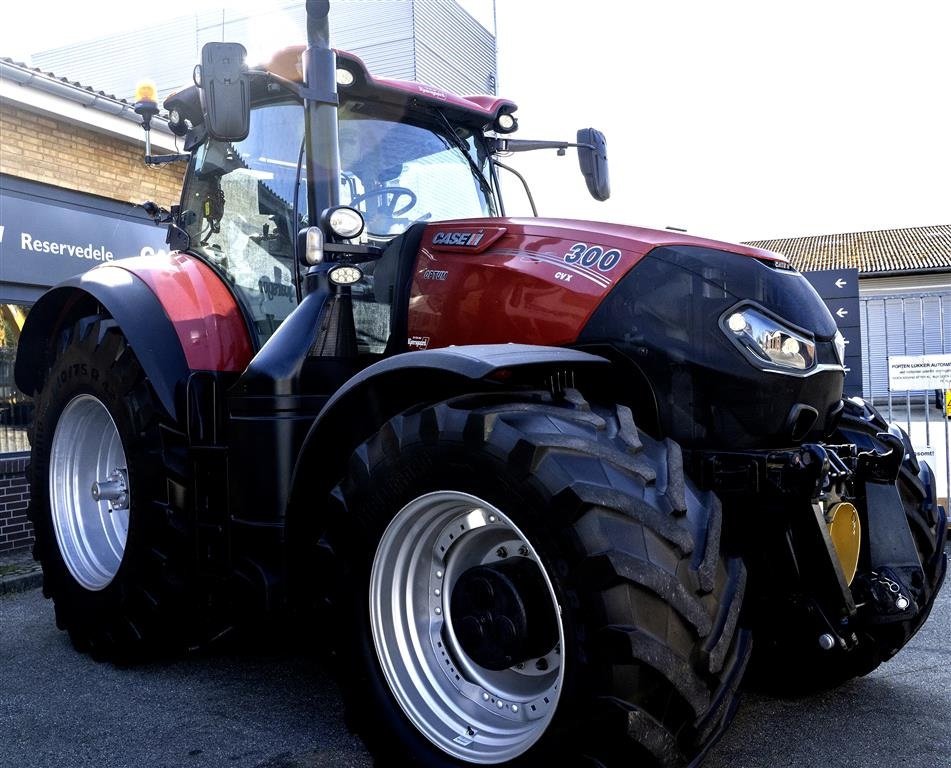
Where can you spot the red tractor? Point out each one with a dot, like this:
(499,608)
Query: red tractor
(539,482)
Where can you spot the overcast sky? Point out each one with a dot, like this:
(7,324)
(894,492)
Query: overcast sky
(738,119)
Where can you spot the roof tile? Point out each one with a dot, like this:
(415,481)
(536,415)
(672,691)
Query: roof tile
(66,80)
(916,249)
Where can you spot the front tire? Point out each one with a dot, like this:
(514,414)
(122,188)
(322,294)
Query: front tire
(528,582)
(107,491)
(928,524)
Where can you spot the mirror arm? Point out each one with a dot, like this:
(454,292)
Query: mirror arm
(529,145)
(165,159)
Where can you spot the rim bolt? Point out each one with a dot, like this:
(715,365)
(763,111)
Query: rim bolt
(438,574)
(438,611)
(515,707)
(502,552)
(437,592)
(485,697)
(500,704)
(523,551)
(491,518)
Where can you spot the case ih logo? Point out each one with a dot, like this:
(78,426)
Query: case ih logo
(470,239)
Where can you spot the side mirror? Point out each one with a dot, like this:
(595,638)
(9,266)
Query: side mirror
(225,91)
(593,159)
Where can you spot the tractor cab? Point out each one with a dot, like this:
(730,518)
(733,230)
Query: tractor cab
(404,154)
(244,201)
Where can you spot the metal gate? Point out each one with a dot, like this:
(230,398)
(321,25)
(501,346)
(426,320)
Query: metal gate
(909,324)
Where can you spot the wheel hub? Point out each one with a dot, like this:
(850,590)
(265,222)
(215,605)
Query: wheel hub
(114,489)
(502,613)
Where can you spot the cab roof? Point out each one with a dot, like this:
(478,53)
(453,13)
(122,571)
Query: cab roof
(480,108)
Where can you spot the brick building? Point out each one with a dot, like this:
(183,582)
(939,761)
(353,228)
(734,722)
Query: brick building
(50,149)
(71,172)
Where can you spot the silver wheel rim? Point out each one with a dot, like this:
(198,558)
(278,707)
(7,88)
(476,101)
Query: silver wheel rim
(89,492)
(470,712)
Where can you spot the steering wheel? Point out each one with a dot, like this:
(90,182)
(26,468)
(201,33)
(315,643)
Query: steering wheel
(393,194)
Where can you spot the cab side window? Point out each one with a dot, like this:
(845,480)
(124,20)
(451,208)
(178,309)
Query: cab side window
(240,205)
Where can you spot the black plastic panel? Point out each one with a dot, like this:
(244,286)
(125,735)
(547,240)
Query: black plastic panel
(665,314)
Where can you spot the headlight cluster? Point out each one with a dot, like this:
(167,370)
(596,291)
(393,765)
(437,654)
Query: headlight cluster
(770,341)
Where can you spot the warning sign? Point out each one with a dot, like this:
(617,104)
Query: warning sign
(908,372)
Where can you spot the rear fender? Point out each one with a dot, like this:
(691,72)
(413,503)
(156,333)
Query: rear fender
(175,311)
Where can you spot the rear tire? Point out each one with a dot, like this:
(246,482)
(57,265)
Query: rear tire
(610,633)
(117,569)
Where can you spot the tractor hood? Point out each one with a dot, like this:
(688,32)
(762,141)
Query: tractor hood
(668,303)
(633,239)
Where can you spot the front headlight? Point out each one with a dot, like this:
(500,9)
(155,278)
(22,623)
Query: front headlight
(345,222)
(769,340)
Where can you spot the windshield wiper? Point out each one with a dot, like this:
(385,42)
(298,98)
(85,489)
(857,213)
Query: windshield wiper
(463,147)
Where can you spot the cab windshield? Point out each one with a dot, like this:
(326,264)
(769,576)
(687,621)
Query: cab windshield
(242,202)
(398,173)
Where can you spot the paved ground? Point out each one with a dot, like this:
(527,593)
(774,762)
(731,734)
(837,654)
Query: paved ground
(59,709)
(900,715)
(272,710)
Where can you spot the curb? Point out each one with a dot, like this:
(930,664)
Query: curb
(22,580)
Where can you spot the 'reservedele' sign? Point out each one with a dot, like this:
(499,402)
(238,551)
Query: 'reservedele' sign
(42,243)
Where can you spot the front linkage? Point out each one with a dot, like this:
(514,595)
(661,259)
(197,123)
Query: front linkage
(835,548)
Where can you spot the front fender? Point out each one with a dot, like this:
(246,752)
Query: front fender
(379,392)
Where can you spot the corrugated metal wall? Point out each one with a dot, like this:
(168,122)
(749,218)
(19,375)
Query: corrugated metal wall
(378,31)
(902,324)
(899,321)
(433,41)
(453,51)
(116,64)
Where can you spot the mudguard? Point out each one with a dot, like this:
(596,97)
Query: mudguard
(396,383)
(175,311)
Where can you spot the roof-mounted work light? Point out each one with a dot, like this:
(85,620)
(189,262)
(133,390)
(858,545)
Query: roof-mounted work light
(505,123)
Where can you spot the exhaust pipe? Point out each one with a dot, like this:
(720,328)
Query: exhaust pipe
(320,103)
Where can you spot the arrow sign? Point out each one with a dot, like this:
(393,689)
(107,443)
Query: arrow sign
(839,289)
(835,284)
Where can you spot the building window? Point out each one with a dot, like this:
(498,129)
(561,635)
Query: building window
(16,409)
